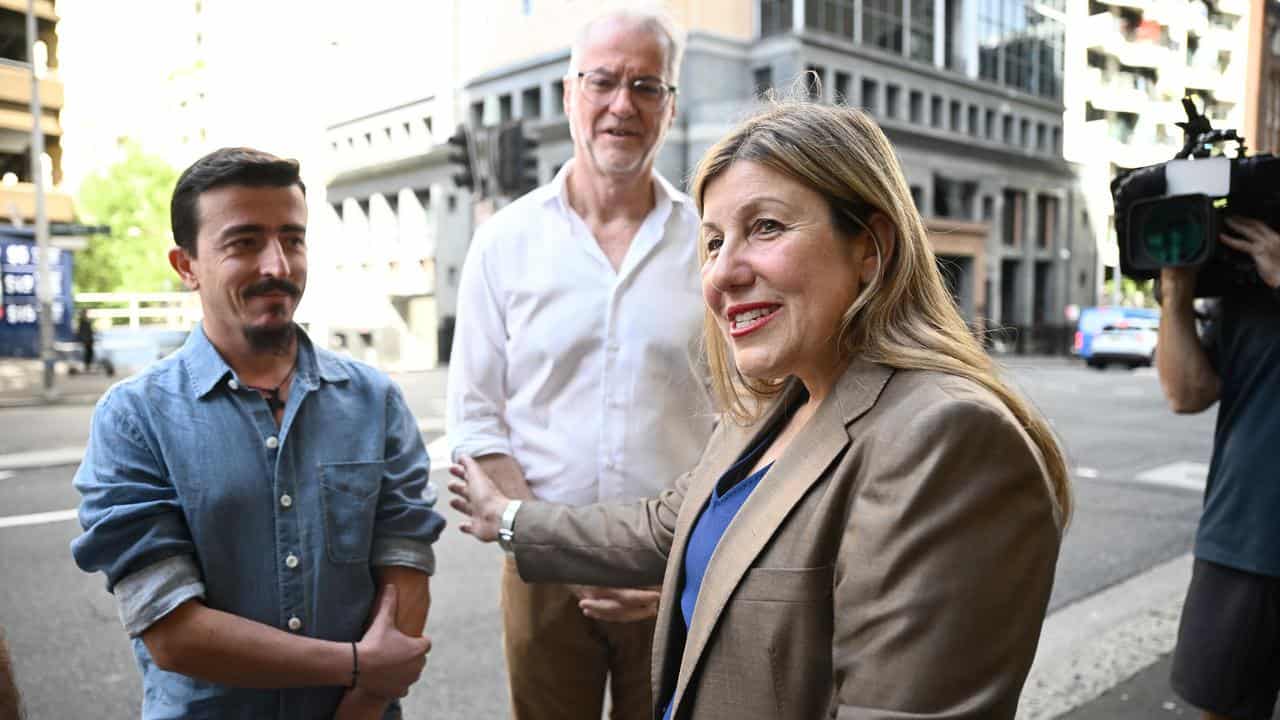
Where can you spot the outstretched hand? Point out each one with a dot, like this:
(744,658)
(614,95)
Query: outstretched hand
(477,498)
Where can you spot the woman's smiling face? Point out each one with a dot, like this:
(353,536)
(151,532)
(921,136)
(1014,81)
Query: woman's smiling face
(778,274)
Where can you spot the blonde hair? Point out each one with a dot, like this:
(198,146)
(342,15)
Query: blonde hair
(905,317)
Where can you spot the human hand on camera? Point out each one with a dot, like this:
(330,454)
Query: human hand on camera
(1260,242)
(617,604)
(477,498)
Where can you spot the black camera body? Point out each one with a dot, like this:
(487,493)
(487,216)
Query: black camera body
(1170,214)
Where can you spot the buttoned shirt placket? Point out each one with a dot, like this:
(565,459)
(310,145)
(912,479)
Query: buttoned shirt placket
(291,560)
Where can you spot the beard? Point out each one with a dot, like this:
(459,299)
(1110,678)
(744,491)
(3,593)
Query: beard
(270,339)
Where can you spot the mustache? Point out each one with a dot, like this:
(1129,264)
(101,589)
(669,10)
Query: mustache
(271,285)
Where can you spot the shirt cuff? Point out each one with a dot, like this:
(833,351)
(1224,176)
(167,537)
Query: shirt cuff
(156,590)
(404,552)
(477,449)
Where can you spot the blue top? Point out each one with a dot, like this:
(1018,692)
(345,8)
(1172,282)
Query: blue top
(190,490)
(1242,495)
(732,490)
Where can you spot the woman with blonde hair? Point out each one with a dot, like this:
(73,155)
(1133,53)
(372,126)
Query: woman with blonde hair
(873,528)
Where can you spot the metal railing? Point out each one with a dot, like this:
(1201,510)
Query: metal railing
(175,310)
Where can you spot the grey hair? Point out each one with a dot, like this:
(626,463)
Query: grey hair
(656,22)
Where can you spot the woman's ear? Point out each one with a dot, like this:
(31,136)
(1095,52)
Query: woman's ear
(887,235)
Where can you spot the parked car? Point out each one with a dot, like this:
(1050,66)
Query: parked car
(1093,320)
(1129,342)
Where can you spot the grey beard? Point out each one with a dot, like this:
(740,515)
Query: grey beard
(270,340)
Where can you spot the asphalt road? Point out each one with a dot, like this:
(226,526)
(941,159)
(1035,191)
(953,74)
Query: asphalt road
(73,659)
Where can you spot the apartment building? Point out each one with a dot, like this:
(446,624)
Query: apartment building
(17,192)
(969,91)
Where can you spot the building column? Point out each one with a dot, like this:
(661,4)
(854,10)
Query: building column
(995,258)
(940,32)
(1027,269)
(797,16)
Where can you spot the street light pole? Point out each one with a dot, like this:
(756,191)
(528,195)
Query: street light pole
(44,293)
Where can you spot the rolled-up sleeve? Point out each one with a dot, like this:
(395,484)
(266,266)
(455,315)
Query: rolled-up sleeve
(134,529)
(406,524)
(476,395)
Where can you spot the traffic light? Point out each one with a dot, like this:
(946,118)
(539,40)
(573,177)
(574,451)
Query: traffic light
(460,155)
(517,160)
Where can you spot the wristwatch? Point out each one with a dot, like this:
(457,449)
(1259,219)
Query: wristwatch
(506,527)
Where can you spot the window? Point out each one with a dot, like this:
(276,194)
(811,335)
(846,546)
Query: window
(917,197)
(990,125)
(531,103)
(935,111)
(504,108)
(973,120)
(955,116)
(556,102)
(1057,140)
(775,17)
(814,77)
(1007,134)
(1024,133)
(762,77)
(1020,44)
(870,89)
(917,107)
(843,80)
(892,95)
(922,30)
(477,113)
(1047,214)
(882,24)
(1041,136)
(830,16)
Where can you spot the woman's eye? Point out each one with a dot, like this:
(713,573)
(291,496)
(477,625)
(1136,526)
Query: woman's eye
(767,226)
(714,243)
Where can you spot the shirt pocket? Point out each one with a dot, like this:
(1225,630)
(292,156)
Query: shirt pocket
(349,495)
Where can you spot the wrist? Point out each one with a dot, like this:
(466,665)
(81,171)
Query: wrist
(506,526)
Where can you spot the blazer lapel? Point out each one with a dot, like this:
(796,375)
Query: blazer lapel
(803,464)
(730,444)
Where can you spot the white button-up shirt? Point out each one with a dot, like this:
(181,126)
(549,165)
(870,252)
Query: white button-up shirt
(592,379)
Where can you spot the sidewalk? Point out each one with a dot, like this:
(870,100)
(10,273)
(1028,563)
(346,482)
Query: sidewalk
(22,384)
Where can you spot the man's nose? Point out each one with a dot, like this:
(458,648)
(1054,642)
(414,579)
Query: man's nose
(273,260)
(622,104)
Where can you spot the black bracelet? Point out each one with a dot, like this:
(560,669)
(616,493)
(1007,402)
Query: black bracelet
(355,665)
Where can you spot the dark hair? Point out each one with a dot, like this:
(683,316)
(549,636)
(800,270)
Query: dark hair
(228,166)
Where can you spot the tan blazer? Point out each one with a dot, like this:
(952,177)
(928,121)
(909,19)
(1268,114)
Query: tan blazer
(894,564)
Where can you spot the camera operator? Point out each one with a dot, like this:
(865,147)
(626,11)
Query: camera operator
(1227,660)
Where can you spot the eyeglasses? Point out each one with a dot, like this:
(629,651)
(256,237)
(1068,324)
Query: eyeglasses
(649,94)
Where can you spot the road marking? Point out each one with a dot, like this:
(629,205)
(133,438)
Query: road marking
(1092,645)
(42,458)
(1182,475)
(37,518)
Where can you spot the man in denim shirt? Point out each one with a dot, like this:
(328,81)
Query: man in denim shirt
(256,502)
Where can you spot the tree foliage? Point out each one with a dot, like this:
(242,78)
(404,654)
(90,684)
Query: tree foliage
(132,197)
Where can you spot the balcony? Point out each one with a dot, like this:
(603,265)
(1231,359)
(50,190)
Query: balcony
(1121,92)
(15,86)
(19,201)
(1127,147)
(1106,32)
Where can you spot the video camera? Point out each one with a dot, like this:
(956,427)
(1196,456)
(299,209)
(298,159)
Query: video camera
(1170,215)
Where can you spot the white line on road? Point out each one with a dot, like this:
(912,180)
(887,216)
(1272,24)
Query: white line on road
(1183,475)
(37,518)
(42,458)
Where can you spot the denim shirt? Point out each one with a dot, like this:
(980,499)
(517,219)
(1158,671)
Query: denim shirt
(190,490)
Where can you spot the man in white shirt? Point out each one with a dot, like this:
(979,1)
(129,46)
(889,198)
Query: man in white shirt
(574,375)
